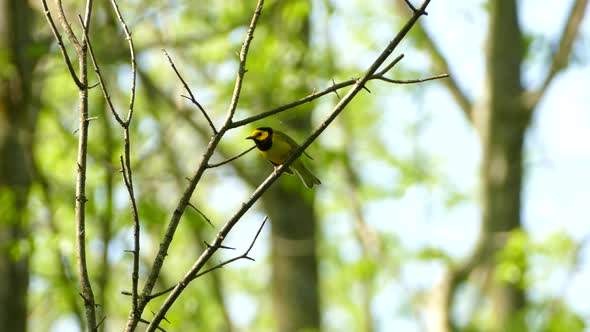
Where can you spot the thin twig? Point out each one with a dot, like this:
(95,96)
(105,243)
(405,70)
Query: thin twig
(417,80)
(231,159)
(390,65)
(219,246)
(136,229)
(414,10)
(126,160)
(132,59)
(192,96)
(100,78)
(126,165)
(101,321)
(61,45)
(145,321)
(201,214)
(242,66)
(335,91)
(208,253)
(185,198)
(333,88)
(233,259)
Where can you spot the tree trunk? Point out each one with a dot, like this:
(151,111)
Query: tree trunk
(16,126)
(294,261)
(502,124)
(288,203)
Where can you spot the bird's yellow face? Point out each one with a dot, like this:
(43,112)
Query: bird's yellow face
(262,137)
(259,135)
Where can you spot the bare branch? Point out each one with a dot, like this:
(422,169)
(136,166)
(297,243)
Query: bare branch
(67,27)
(208,253)
(100,78)
(414,10)
(126,162)
(333,88)
(231,159)
(148,322)
(192,97)
(560,57)
(132,58)
(244,255)
(80,208)
(201,214)
(136,236)
(418,80)
(242,66)
(61,45)
(315,95)
(101,321)
(185,198)
(390,65)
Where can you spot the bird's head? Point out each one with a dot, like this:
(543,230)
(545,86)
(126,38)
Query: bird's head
(261,134)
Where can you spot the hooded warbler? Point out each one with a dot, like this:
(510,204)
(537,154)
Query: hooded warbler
(276,147)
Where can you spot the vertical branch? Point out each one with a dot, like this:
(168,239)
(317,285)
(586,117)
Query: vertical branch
(125,160)
(185,198)
(80,212)
(132,59)
(126,165)
(242,66)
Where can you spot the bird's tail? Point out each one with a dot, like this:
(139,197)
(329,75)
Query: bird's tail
(305,174)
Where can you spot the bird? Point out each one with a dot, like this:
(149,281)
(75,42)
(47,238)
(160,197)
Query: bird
(276,147)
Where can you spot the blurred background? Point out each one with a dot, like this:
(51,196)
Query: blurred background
(451,205)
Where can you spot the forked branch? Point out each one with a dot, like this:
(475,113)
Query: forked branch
(357,87)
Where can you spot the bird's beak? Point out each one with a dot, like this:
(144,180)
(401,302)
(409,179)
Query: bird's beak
(250,137)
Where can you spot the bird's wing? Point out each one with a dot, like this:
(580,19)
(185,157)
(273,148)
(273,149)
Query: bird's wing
(290,141)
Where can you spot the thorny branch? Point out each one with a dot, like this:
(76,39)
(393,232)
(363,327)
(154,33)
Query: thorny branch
(231,159)
(185,198)
(67,27)
(61,45)
(125,160)
(334,88)
(81,81)
(140,301)
(101,81)
(244,255)
(192,96)
(201,214)
(126,163)
(358,86)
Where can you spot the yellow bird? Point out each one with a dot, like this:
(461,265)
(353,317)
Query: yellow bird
(276,147)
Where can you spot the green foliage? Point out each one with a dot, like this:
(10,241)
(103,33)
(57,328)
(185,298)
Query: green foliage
(7,68)
(512,259)
(563,319)
(374,156)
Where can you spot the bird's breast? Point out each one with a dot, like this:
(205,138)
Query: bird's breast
(278,153)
